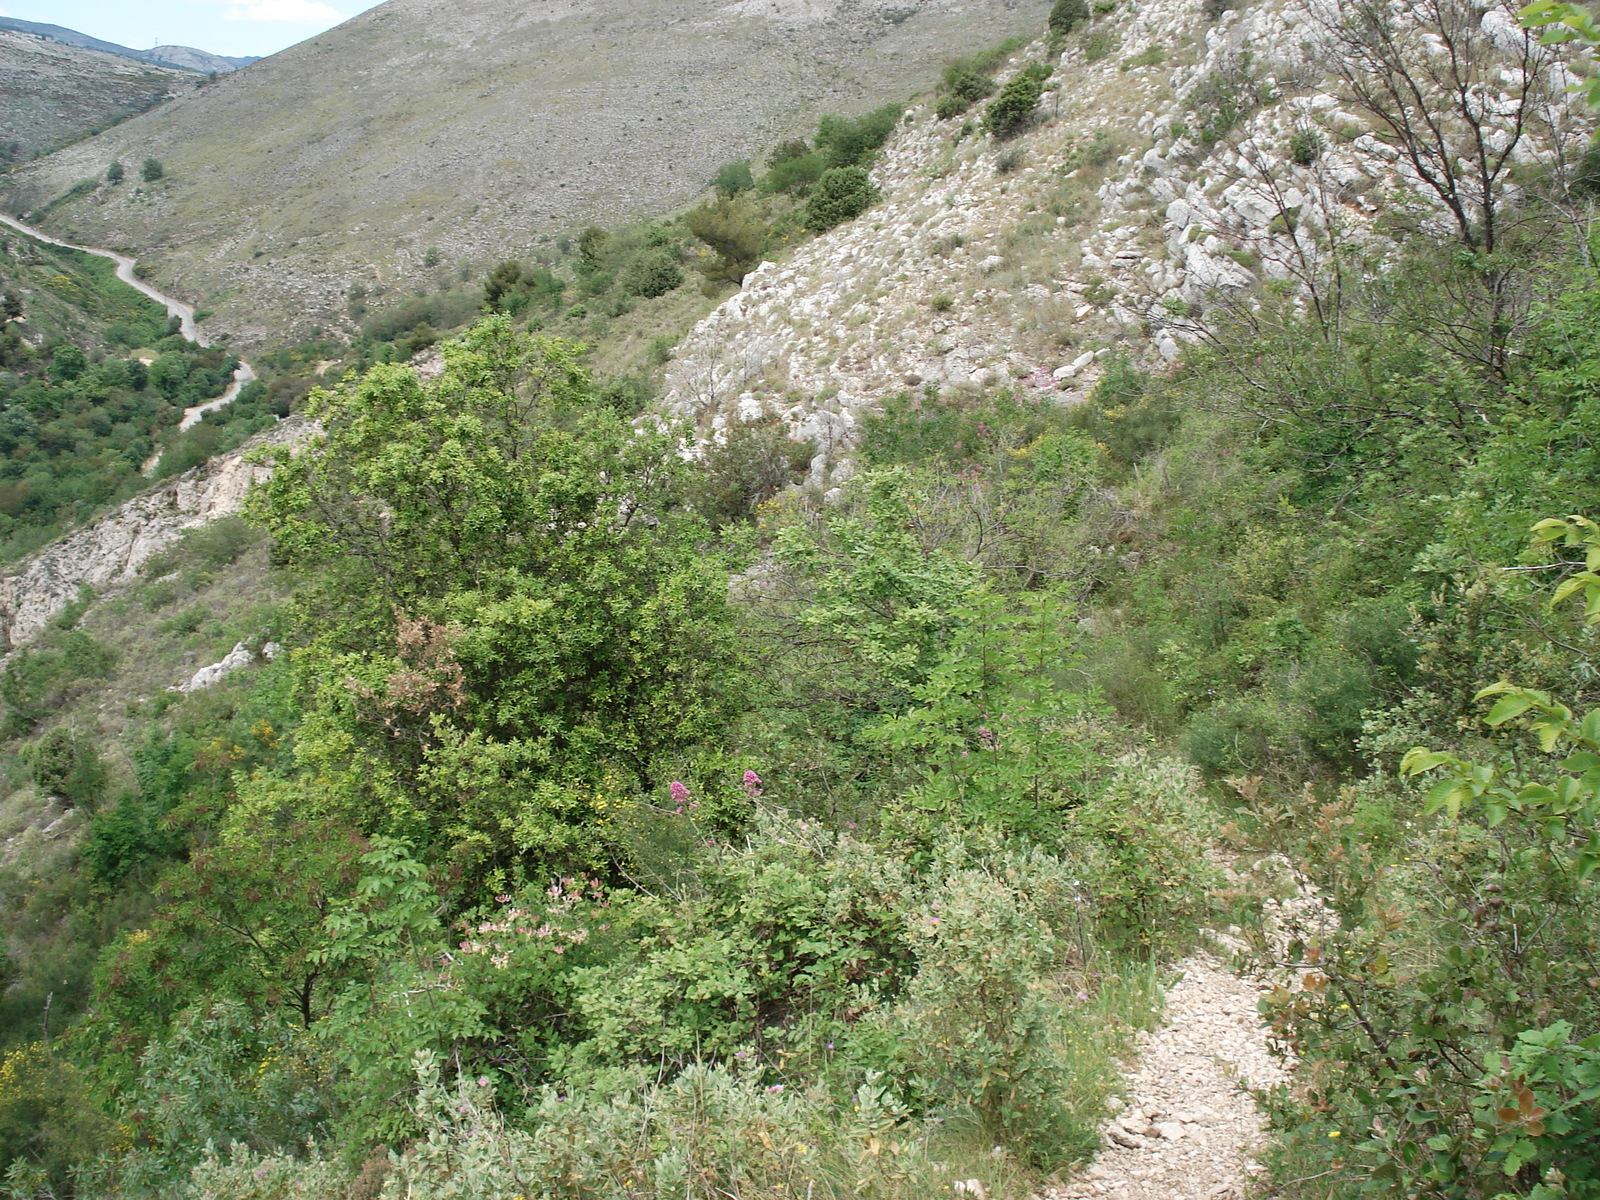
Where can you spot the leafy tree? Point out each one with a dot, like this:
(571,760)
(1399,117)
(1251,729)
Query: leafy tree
(592,244)
(152,170)
(66,765)
(842,194)
(653,273)
(733,178)
(849,142)
(502,279)
(67,363)
(506,601)
(792,168)
(115,173)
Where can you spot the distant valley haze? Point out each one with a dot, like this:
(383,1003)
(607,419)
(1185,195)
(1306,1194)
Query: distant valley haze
(233,28)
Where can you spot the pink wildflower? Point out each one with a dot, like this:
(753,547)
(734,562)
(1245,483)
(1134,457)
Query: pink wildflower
(752,784)
(680,793)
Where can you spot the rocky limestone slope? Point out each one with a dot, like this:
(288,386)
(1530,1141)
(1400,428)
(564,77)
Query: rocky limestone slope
(52,93)
(1110,228)
(109,552)
(472,128)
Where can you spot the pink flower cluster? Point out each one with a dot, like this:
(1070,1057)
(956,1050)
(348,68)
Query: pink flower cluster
(680,797)
(558,926)
(752,784)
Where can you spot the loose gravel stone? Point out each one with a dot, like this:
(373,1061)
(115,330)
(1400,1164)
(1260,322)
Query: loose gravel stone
(1190,1126)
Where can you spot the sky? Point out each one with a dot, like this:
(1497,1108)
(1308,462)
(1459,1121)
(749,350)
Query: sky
(232,27)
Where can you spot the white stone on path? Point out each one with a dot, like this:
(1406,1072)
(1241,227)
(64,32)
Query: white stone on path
(1189,1128)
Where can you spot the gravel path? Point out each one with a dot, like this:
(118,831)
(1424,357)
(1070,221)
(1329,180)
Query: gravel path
(1188,1128)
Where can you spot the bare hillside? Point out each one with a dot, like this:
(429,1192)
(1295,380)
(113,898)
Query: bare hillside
(476,126)
(51,92)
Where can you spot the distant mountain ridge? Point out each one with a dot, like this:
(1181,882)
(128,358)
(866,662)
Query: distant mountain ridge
(185,58)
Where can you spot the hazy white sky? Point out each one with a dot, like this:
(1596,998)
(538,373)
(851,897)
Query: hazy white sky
(236,27)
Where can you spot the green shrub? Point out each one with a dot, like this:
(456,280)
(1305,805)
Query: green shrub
(152,170)
(951,106)
(1305,147)
(734,229)
(1100,42)
(115,173)
(653,273)
(966,82)
(67,363)
(851,142)
(1067,15)
(750,464)
(793,169)
(841,194)
(733,178)
(1012,110)
(48,1124)
(65,764)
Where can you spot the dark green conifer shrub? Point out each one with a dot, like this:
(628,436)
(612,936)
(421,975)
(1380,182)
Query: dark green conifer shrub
(1012,110)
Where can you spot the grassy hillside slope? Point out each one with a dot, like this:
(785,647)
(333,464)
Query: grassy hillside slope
(461,128)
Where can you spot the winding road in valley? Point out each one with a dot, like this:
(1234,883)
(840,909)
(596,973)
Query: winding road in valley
(187,325)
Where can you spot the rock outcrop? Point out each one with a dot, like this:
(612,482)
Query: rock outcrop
(109,552)
(1111,228)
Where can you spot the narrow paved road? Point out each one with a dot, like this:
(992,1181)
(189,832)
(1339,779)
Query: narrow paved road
(176,308)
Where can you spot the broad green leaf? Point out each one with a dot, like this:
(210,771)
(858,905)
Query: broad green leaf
(1508,707)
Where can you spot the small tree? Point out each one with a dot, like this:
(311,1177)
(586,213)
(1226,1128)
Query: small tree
(733,228)
(152,170)
(592,245)
(115,172)
(1066,16)
(842,194)
(67,363)
(733,178)
(10,307)
(66,765)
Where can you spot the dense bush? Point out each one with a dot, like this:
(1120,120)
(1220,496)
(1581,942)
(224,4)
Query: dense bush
(653,273)
(841,194)
(1067,15)
(734,230)
(793,167)
(1013,109)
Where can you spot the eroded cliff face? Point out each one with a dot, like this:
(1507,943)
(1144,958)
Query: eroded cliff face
(108,553)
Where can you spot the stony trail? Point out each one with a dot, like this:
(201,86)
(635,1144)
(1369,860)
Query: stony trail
(1189,1126)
